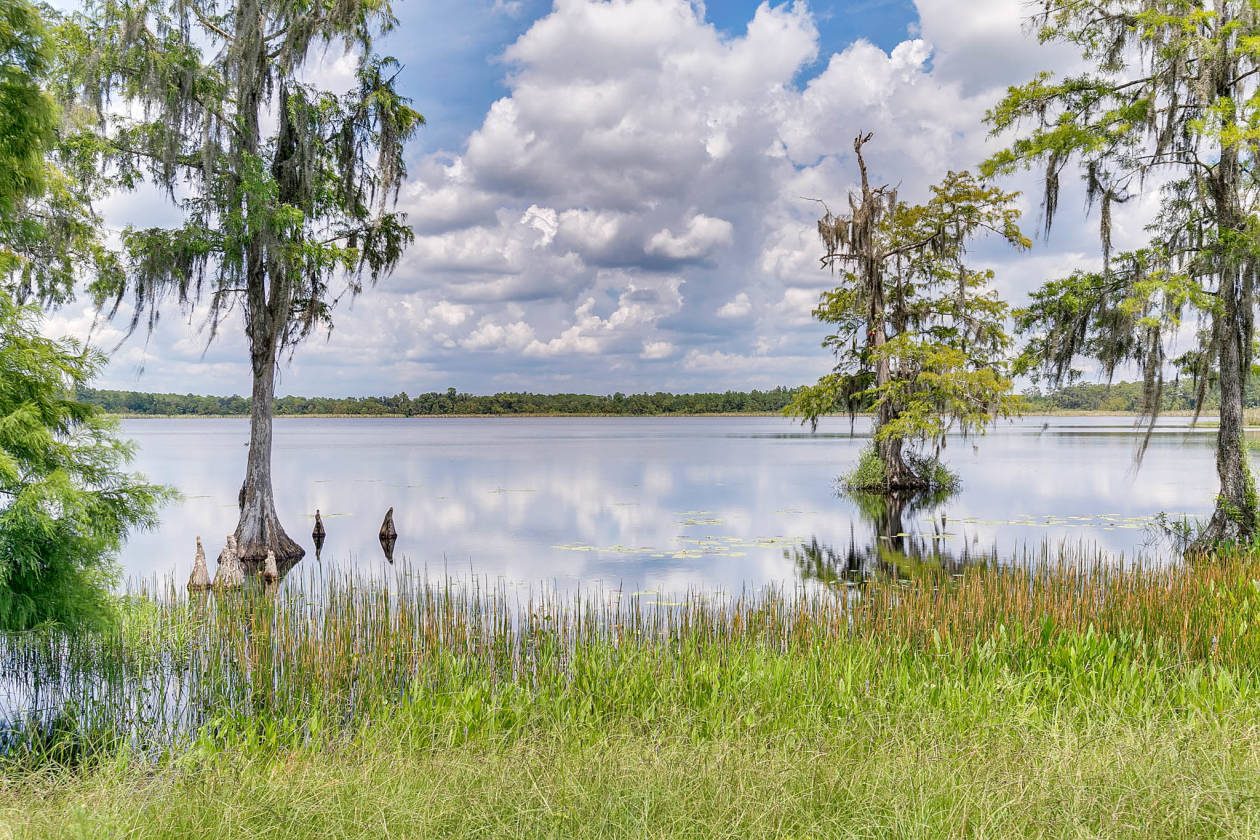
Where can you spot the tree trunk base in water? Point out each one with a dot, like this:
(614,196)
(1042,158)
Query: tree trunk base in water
(252,549)
(905,488)
(907,483)
(1226,527)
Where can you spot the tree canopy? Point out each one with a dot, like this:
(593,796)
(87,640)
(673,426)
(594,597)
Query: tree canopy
(66,503)
(1172,97)
(49,234)
(919,334)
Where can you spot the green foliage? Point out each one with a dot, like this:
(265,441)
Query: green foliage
(1171,92)
(955,766)
(869,476)
(1123,396)
(267,220)
(49,233)
(27,114)
(451,403)
(448,711)
(65,503)
(920,338)
(1119,316)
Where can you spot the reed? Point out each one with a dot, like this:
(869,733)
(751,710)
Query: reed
(1064,698)
(328,656)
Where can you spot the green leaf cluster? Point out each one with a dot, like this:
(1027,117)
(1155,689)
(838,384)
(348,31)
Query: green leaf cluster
(939,481)
(182,95)
(943,329)
(49,233)
(66,503)
(1172,93)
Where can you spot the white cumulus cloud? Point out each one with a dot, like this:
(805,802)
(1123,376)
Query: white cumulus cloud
(636,152)
(737,307)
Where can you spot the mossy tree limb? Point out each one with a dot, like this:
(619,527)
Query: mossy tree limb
(1173,92)
(283,190)
(920,338)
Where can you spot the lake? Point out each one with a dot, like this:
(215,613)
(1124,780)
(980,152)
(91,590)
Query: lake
(661,504)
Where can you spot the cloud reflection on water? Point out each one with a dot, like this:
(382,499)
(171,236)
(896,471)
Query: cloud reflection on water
(651,503)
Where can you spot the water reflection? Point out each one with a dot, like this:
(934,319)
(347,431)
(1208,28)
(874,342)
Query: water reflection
(662,504)
(388,536)
(318,534)
(888,547)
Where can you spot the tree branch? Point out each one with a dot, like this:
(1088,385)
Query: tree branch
(208,24)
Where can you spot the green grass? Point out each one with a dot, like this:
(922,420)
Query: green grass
(869,475)
(921,773)
(1053,703)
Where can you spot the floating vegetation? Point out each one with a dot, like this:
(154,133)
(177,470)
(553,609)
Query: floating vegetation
(693,547)
(1102,520)
(693,521)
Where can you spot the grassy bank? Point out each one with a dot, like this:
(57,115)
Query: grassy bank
(1057,703)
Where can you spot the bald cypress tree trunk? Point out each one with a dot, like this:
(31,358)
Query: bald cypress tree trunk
(259,529)
(897,473)
(1234,519)
(267,303)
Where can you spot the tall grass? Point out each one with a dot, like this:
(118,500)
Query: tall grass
(297,667)
(1053,700)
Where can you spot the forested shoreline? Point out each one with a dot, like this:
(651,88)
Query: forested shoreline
(1118,396)
(448,403)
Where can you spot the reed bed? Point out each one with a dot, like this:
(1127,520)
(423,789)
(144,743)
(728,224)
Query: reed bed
(1064,699)
(330,656)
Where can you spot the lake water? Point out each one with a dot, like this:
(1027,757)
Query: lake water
(660,504)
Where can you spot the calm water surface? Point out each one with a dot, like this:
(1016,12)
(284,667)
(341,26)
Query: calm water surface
(662,504)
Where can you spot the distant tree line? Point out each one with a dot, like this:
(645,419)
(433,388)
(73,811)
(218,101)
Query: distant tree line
(1118,396)
(1179,395)
(449,402)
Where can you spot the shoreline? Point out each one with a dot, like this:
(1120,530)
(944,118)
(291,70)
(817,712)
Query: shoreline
(1206,415)
(527,415)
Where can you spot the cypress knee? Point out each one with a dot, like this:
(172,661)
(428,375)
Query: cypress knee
(200,578)
(388,535)
(270,574)
(230,574)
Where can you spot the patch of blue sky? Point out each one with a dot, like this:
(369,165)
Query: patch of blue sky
(451,50)
(885,23)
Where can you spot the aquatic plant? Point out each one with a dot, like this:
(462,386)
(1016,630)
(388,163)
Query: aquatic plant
(870,473)
(328,655)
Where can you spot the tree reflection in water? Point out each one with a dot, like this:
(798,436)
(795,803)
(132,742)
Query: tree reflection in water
(889,548)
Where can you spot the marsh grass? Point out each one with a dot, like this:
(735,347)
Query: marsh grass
(182,669)
(1075,697)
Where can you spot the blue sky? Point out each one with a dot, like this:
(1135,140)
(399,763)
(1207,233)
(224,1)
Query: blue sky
(610,195)
(451,49)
